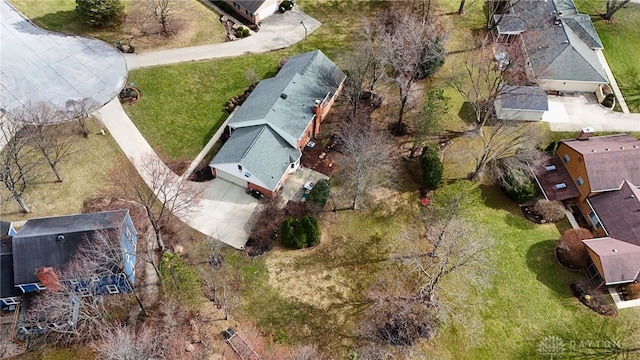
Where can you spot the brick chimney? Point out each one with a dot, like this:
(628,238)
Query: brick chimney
(585,133)
(48,278)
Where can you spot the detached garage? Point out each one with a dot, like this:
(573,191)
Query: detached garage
(525,103)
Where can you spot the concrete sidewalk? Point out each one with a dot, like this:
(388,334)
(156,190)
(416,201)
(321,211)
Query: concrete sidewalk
(278,31)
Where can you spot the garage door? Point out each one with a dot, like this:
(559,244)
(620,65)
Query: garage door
(234,179)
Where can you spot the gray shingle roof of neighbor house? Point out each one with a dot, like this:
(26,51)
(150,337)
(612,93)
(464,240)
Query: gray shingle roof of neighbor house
(53,241)
(510,24)
(303,79)
(262,153)
(620,260)
(609,160)
(619,212)
(524,98)
(560,49)
(253,5)
(6,270)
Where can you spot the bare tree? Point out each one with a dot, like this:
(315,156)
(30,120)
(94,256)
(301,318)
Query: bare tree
(80,110)
(73,307)
(369,159)
(612,7)
(513,140)
(162,193)
(19,160)
(52,144)
(162,12)
(123,343)
(360,64)
(410,50)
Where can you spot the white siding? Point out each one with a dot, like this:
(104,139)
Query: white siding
(569,86)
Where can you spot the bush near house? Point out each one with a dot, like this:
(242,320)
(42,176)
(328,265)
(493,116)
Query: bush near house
(550,210)
(570,251)
(518,187)
(319,195)
(298,234)
(98,13)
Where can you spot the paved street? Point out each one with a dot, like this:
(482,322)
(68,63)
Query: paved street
(43,66)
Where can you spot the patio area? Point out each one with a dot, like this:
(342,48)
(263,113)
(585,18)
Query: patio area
(294,187)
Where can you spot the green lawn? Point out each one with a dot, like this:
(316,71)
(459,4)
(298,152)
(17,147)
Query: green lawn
(621,46)
(183,105)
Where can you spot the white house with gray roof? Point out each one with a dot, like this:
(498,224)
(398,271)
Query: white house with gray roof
(254,10)
(560,43)
(276,121)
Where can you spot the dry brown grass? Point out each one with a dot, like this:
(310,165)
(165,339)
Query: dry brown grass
(84,175)
(194,23)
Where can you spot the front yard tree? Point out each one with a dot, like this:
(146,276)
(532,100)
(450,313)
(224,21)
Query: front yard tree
(162,13)
(162,193)
(79,110)
(410,50)
(98,13)
(19,158)
(54,146)
(369,159)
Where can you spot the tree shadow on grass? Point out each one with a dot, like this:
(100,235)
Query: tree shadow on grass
(467,114)
(541,260)
(56,21)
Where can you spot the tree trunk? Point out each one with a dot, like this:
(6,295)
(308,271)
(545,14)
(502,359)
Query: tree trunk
(55,171)
(461,8)
(20,202)
(612,7)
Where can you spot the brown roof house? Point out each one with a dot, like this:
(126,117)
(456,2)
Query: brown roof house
(600,173)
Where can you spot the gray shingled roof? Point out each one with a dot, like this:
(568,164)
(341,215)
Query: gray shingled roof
(609,160)
(251,5)
(37,243)
(583,27)
(523,98)
(269,123)
(263,154)
(510,24)
(557,51)
(304,79)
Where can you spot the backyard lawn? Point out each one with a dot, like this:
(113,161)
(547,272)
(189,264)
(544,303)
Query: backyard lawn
(621,46)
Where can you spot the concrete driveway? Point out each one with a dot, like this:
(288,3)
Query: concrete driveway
(41,66)
(573,113)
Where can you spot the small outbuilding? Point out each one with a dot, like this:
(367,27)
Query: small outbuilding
(525,103)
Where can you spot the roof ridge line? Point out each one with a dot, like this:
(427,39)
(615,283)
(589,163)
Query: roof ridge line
(253,142)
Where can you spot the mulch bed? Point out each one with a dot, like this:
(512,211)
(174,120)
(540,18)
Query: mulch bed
(318,159)
(532,215)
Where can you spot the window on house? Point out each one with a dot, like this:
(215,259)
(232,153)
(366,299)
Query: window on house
(249,14)
(10,301)
(113,289)
(595,221)
(579,181)
(550,167)
(236,5)
(239,167)
(83,292)
(561,186)
(566,158)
